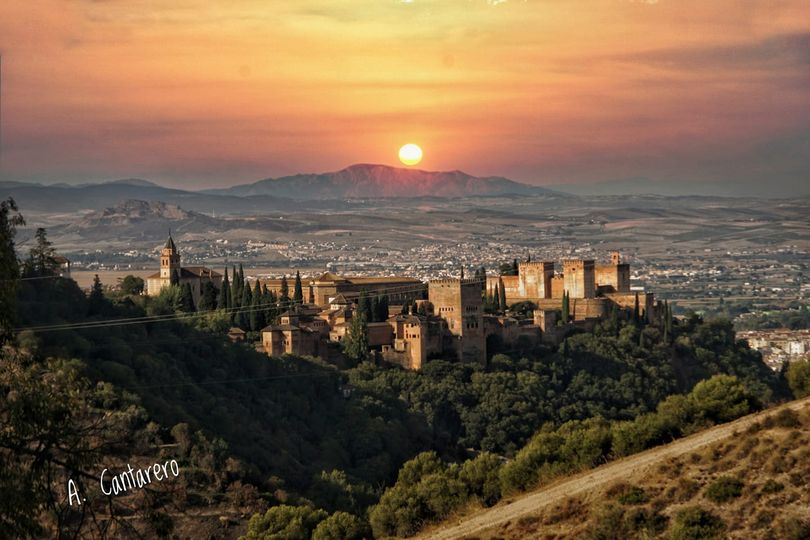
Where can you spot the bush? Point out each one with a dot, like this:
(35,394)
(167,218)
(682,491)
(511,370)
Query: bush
(695,523)
(772,486)
(795,529)
(342,526)
(798,377)
(634,495)
(724,489)
(287,522)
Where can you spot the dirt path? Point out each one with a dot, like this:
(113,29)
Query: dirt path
(599,477)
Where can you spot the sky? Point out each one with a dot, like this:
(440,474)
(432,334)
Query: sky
(203,93)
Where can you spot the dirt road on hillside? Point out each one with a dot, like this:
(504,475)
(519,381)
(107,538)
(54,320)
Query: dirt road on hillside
(607,474)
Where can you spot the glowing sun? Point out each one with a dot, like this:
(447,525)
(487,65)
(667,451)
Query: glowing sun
(410,154)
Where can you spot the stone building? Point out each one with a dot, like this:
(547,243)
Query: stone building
(459,302)
(328,286)
(415,339)
(593,289)
(196,276)
(297,333)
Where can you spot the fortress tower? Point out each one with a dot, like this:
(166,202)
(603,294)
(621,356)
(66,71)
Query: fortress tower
(579,278)
(613,277)
(458,301)
(534,279)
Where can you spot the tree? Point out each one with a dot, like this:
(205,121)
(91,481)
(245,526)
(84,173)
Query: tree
(10,219)
(298,291)
(636,312)
(566,308)
(186,298)
(342,526)
(208,299)
(132,285)
(257,310)
(223,302)
(174,278)
(381,309)
(515,268)
(284,297)
(42,260)
(285,522)
(798,378)
(236,289)
(242,318)
(502,299)
(96,300)
(355,344)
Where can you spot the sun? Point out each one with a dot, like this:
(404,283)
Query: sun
(410,154)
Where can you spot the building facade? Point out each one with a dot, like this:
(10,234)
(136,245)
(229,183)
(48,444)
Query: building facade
(170,268)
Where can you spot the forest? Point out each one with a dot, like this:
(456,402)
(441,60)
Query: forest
(310,450)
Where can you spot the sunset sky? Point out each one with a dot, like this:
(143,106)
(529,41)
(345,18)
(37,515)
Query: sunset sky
(201,93)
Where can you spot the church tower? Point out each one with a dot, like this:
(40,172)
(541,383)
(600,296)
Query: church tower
(169,259)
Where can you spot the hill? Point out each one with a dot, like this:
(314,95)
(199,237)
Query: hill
(745,479)
(376,181)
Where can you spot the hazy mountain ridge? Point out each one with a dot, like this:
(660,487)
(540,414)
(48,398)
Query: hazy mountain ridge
(372,181)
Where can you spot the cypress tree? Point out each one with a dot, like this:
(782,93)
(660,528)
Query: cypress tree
(208,299)
(298,291)
(284,298)
(382,309)
(242,318)
(355,344)
(406,307)
(515,268)
(174,279)
(271,310)
(224,291)
(566,308)
(186,298)
(236,289)
(257,310)
(636,313)
(502,299)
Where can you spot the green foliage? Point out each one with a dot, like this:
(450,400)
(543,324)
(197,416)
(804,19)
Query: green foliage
(41,260)
(722,398)
(132,285)
(695,523)
(342,526)
(634,495)
(224,300)
(724,489)
(355,343)
(793,528)
(798,377)
(772,486)
(481,476)
(298,291)
(285,523)
(208,299)
(10,219)
(186,299)
(616,523)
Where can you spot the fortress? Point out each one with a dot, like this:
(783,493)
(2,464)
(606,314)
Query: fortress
(449,323)
(592,288)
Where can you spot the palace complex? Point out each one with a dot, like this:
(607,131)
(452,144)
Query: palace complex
(444,318)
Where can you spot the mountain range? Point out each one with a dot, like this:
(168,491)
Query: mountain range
(364,180)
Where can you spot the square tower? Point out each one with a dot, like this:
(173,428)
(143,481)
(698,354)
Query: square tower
(458,301)
(169,259)
(579,278)
(534,279)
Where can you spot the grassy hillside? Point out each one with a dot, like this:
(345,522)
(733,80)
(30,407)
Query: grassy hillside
(753,485)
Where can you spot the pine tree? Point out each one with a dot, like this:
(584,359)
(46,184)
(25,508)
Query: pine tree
(42,255)
(298,291)
(566,308)
(186,298)
(208,299)
(96,300)
(224,291)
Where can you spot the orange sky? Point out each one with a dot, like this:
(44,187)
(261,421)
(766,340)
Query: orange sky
(221,92)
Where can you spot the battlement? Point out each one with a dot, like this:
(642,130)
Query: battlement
(543,265)
(455,282)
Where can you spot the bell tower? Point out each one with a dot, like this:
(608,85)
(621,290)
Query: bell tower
(169,259)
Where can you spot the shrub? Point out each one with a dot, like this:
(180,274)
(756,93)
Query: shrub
(795,529)
(695,523)
(787,418)
(798,377)
(634,495)
(341,526)
(724,489)
(772,486)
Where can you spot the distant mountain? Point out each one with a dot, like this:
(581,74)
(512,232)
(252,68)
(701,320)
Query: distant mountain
(649,186)
(375,181)
(65,198)
(132,211)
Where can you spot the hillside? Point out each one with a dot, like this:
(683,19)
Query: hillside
(373,181)
(751,475)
